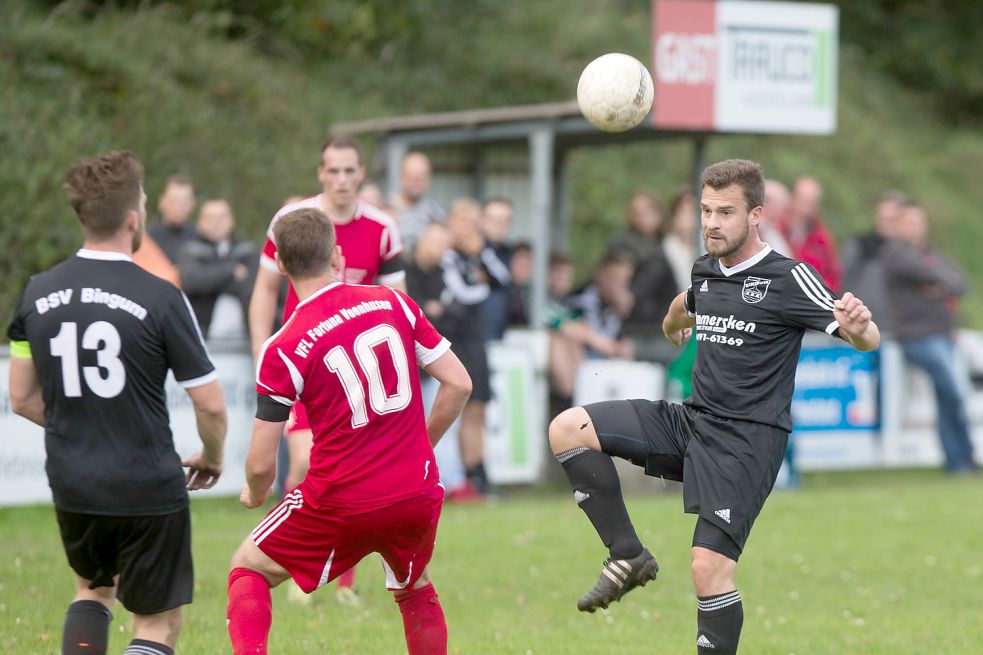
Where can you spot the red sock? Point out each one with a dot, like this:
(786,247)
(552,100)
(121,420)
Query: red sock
(423,622)
(250,612)
(347,579)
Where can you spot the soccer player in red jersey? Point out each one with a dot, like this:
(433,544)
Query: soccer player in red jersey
(370,247)
(349,353)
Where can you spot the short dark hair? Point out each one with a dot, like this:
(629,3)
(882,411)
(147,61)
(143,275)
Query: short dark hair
(102,189)
(342,142)
(521,246)
(616,257)
(745,174)
(305,240)
(178,180)
(558,259)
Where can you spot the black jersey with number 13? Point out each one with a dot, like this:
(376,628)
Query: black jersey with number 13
(103,334)
(750,319)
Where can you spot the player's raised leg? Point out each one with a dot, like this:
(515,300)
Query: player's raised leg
(250,609)
(597,490)
(423,618)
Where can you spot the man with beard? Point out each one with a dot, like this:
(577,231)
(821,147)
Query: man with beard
(91,343)
(750,307)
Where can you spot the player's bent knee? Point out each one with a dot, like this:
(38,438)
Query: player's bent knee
(712,572)
(566,430)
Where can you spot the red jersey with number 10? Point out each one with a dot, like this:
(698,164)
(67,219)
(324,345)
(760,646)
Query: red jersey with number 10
(349,353)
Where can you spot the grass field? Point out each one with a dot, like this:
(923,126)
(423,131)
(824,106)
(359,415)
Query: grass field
(851,564)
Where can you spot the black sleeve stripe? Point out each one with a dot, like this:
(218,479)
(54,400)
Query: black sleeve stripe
(269,409)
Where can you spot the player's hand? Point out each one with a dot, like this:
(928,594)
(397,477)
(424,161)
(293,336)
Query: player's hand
(679,337)
(852,314)
(202,473)
(246,497)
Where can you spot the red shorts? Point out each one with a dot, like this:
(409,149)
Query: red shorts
(298,421)
(317,545)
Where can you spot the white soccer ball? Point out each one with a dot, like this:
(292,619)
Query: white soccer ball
(615,92)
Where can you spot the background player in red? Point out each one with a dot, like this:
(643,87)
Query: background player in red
(370,254)
(347,352)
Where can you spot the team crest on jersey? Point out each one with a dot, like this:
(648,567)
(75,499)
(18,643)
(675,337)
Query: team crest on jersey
(755,289)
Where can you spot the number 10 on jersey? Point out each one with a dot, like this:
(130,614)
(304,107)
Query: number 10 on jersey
(365,348)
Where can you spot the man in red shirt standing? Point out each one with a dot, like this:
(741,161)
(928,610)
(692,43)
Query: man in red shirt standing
(807,235)
(349,353)
(370,254)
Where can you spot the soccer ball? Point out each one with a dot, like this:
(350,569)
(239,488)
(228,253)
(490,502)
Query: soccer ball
(615,92)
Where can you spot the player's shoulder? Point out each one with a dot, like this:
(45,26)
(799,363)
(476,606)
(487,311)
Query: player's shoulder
(376,215)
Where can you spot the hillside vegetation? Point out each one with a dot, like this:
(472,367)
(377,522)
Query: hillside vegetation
(240,101)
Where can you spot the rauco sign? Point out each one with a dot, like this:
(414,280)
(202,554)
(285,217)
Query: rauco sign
(735,66)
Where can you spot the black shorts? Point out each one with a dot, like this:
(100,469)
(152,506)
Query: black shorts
(475,359)
(727,467)
(151,555)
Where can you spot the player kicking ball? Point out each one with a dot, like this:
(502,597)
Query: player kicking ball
(750,307)
(349,353)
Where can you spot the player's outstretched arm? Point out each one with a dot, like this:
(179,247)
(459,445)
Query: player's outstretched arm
(453,394)
(261,462)
(856,326)
(678,324)
(25,390)
(205,466)
(262,307)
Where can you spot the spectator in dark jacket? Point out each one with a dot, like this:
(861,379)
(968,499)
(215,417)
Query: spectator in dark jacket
(470,270)
(176,204)
(497,215)
(923,287)
(863,268)
(217,272)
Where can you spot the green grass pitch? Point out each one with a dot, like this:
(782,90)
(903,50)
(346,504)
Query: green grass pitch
(851,564)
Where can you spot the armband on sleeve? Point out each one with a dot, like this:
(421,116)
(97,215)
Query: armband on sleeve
(270,410)
(689,302)
(20,349)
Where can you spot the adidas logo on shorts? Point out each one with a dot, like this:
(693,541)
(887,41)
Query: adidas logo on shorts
(580,496)
(703,642)
(724,514)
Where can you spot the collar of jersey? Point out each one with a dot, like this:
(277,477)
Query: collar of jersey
(318,293)
(746,264)
(103,255)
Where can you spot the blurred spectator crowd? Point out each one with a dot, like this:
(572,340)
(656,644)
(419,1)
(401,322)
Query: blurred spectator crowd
(473,280)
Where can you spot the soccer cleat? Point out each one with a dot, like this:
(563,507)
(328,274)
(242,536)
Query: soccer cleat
(296,595)
(618,577)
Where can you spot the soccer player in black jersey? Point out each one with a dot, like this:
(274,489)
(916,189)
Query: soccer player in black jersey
(750,307)
(92,340)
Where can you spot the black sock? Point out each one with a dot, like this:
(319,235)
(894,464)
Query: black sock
(597,490)
(147,647)
(478,477)
(719,622)
(86,629)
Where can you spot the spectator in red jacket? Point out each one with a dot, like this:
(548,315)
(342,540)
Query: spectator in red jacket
(806,233)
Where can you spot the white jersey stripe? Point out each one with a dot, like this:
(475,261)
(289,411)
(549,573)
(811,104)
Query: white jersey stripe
(809,293)
(816,284)
(406,310)
(294,500)
(199,381)
(326,573)
(427,356)
(295,375)
(832,327)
